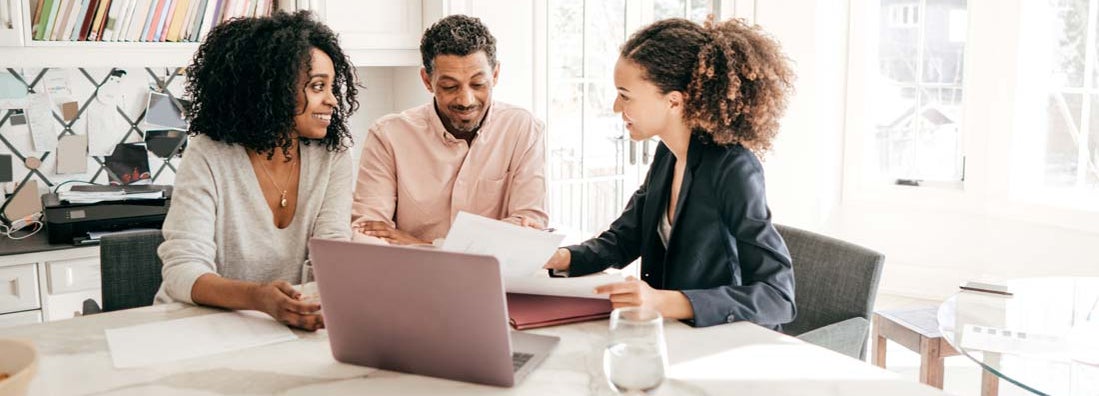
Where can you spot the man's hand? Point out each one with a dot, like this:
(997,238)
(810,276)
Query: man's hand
(283,303)
(634,293)
(382,230)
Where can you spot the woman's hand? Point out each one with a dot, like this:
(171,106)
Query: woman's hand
(634,293)
(283,303)
(380,229)
(559,261)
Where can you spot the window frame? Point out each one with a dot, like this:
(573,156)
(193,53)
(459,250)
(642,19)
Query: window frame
(993,54)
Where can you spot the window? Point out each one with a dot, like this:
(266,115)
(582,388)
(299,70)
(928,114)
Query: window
(904,15)
(592,166)
(1057,138)
(915,92)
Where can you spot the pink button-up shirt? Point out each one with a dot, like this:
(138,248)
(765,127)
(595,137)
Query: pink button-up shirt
(416,176)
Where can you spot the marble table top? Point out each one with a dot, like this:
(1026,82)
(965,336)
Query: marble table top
(739,358)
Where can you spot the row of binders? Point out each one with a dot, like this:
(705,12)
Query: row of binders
(138,20)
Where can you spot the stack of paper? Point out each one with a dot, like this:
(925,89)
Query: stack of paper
(521,250)
(93,194)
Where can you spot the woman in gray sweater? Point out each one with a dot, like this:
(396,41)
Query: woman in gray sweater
(266,169)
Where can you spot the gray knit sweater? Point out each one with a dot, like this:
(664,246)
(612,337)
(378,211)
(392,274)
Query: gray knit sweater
(220,223)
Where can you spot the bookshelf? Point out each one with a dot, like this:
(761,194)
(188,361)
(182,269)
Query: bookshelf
(372,33)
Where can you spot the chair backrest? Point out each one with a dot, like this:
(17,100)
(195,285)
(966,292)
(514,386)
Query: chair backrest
(836,280)
(129,268)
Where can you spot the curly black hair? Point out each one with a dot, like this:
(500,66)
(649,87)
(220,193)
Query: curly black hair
(733,76)
(245,79)
(457,35)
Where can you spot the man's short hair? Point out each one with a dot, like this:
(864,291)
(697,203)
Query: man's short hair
(459,35)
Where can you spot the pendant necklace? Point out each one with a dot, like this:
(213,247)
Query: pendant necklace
(282,196)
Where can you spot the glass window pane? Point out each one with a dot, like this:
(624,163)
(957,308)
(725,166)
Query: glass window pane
(1063,115)
(1091,177)
(700,10)
(898,41)
(604,33)
(664,9)
(938,153)
(1070,31)
(566,32)
(916,120)
(603,146)
(565,130)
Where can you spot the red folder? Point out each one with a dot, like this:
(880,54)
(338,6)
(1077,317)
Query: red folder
(530,311)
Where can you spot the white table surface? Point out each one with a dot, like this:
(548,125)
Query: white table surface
(739,358)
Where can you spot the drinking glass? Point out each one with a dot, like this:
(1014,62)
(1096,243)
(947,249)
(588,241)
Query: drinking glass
(636,357)
(308,289)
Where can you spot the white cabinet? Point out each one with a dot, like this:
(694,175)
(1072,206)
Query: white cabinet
(48,285)
(21,318)
(18,288)
(387,25)
(11,22)
(68,276)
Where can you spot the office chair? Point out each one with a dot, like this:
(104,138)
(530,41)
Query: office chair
(129,270)
(836,285)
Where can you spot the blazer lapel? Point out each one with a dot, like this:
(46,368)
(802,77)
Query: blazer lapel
(657,197)
(694,157)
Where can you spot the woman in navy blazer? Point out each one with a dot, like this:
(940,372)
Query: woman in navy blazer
(700,222)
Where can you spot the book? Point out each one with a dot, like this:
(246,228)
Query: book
(124,21)
(137,22)
(63,20)
(86,25)
(210,18)
(51,18)
(70,24)
(150,23)
(180,11)
(161,25)
(74,33)
(37,26)
(530,311)
(185,27)
(111,23)
(99,21)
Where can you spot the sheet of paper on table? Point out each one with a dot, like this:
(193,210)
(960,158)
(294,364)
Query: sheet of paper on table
(188,338)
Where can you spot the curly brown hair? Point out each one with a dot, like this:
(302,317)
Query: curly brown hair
(245,79)
(459,35)
(734,77)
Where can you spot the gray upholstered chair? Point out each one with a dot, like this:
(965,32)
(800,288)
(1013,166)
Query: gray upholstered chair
(836,285)
(129,270)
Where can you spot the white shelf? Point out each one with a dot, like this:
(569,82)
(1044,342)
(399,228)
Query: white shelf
(99,54)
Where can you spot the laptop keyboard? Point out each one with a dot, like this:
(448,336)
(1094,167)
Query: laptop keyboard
(518,359)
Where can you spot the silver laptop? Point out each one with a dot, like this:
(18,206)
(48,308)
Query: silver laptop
(421,311)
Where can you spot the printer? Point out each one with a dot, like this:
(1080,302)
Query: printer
(70,222)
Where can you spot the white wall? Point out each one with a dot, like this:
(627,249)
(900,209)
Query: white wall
(511,22)
(804,171)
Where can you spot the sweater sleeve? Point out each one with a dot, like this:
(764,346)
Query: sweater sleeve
(189,250)
(334,219)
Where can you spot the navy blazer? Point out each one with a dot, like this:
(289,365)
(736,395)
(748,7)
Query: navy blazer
(723,252)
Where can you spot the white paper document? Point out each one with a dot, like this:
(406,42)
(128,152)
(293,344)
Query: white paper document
(582,286)
(1015,342)
(522,251)
(40,121)
(189,338)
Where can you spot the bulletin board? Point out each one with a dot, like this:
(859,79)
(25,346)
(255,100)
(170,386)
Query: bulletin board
(84,86)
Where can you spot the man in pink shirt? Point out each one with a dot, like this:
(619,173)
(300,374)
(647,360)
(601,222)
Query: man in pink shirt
(461,152)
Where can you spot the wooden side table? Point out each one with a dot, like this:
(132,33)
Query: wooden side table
(918,330)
